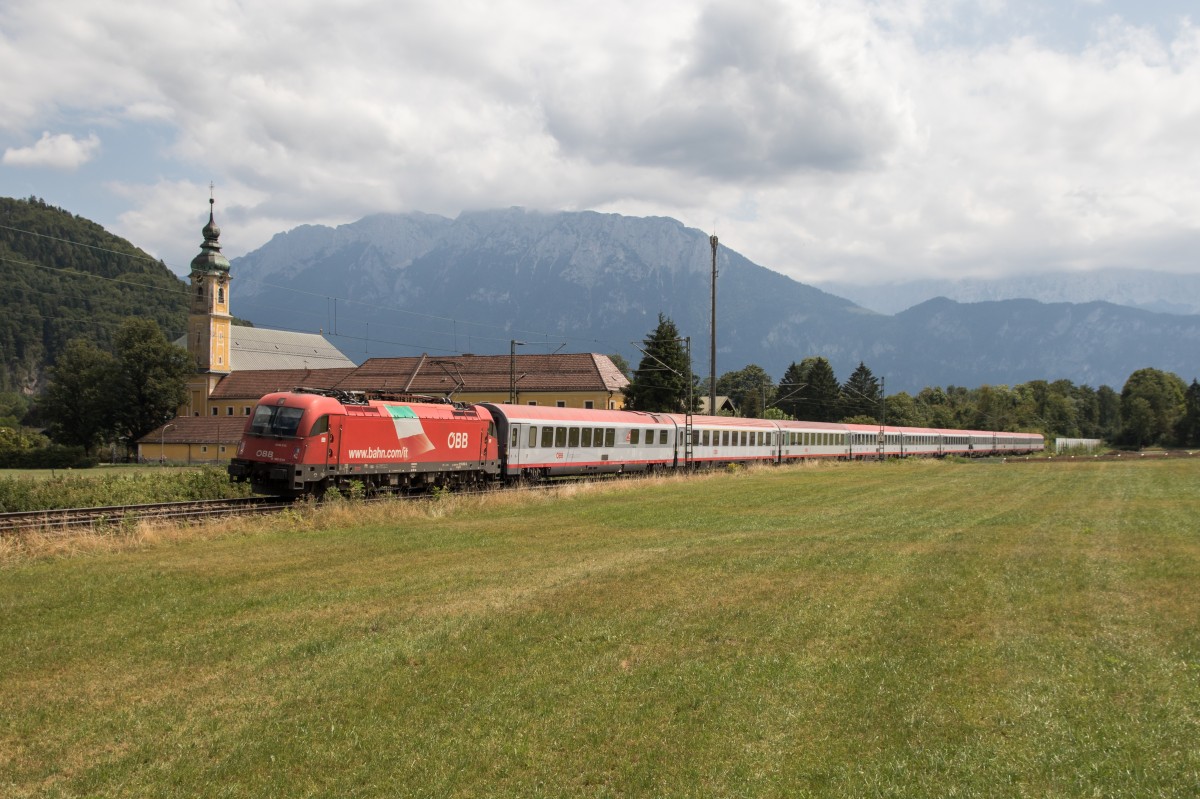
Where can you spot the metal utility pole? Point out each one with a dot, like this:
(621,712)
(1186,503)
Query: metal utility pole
(512,370)
(687,419)
(712,353)
(883,414)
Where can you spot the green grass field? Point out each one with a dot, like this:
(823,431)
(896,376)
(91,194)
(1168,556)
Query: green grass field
(906,629)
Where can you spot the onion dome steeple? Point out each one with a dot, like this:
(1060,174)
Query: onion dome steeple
(208,318)
(210,258)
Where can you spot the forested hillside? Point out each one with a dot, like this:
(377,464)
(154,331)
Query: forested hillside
(64,277)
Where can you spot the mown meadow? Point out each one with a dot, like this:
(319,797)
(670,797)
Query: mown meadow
(901,629)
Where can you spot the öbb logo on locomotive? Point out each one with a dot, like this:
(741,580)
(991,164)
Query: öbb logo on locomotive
(390,443)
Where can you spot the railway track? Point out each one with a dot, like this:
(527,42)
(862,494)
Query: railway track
(64,519)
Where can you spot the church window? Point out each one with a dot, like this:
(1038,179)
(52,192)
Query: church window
(221,294)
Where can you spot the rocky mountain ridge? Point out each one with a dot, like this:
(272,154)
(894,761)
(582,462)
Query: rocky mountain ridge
(1147,290)
(412,283)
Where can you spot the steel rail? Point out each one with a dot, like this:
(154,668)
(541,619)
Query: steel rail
(63,519)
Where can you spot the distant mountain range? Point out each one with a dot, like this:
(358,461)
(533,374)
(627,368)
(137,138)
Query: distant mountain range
(1161,292)
(412,283)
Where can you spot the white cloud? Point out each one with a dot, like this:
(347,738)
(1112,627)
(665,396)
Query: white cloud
(61,151)
(855,140)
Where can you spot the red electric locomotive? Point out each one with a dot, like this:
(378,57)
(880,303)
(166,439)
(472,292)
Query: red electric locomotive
(310,440)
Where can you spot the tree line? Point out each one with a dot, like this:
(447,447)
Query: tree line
(97,396)
(1154,407)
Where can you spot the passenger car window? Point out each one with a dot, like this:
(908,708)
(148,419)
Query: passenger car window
(587,437)
(610,437)
(662,436)
(573,437)
(635,437)
(547,436)
(560,437)
(532,437)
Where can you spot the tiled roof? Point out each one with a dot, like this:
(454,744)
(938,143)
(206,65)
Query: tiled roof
(252,384)
(198,430)
(429,375)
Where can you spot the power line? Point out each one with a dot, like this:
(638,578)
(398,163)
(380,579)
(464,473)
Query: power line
(81,244)
(77,273)
(507,332)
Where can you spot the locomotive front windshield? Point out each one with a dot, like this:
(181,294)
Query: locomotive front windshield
(275,420)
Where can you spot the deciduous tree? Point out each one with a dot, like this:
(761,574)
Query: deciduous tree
(1187,431)
(150,379)
(751,389)
(76,405)
(1163,395)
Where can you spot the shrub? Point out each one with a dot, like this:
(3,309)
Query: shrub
(53,456)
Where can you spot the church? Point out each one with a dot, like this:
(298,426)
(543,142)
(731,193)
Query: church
(237,364)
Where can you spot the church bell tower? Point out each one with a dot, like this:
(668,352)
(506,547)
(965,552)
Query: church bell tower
(208,317)
(208,336)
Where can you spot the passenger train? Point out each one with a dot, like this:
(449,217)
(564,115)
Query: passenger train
(307,441)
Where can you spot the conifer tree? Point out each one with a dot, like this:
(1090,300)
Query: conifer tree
(789,390)
(861,394)
(814,391)
(660,383)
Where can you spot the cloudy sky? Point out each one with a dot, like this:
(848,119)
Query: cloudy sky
(857,140)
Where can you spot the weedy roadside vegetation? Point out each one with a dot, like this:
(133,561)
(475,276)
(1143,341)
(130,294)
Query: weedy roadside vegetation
(68,489)
(899,629)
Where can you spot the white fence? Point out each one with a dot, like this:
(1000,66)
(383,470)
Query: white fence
(1085,444)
